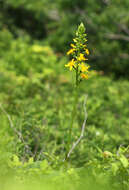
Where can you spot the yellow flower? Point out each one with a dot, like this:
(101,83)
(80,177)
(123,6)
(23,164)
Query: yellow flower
(84,76)
(84,68)
(83,45)
(70,51)
(81,57)
(71,64)
(73,46)
(87,51)
(74,40)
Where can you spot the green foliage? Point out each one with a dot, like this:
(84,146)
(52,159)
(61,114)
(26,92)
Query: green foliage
(41,175)
(36,93)
(107,29)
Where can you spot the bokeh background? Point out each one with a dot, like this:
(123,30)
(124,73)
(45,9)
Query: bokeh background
(55,23)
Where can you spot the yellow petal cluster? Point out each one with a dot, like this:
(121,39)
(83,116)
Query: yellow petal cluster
(71,64)
(87,51)
(84,76)
(84,68)
(73,46)
(70,51)
(81,57)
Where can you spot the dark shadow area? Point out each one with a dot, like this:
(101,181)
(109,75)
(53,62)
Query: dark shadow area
(20,18)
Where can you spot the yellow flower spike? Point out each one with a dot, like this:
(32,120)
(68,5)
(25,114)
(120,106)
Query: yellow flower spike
(87,51)
(81,57)
(84,76)
(79,53)
(70,51)
(84,68)
(71,64)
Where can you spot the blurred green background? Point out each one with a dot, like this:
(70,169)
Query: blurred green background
(55,22)
(36,91)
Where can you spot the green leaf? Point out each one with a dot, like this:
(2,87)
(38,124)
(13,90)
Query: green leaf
(44,165)
(16,161)
(115,168)
(124,161)
(31,160)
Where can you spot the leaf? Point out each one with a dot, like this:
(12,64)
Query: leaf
(124,161)
(44,165)
(115,168)
(31,160)
(16,161)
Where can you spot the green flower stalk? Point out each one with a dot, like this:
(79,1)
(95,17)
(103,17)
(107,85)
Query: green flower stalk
(78,54)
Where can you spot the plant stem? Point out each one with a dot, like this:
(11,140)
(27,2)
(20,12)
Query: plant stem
(73,115)
(77,77)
